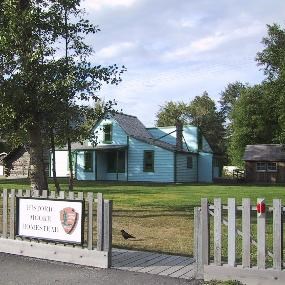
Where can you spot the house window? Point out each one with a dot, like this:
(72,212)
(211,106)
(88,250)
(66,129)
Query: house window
(148,162)
(272,167)
(88,161)
(190,162)
(116,162)
(260,167)
(107,129)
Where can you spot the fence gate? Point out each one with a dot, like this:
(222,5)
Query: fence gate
(85,253)
(242,243)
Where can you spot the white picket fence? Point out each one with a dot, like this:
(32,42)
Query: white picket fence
(89,253)
(261,258)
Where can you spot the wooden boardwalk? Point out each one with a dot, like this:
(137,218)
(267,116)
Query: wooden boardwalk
(153,263)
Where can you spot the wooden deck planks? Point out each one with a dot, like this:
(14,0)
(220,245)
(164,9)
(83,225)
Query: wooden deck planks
(134,259)
(137,262)
(153,263)
(162,265)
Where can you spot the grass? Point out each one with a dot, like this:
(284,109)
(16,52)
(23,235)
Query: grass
(160,215)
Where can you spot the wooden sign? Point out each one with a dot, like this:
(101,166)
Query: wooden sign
(57,220)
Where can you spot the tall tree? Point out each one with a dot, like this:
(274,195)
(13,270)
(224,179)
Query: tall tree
(252,122)
(34,78)
(272,61)
(200,112)
(170,112)
(203,113)
(229,96)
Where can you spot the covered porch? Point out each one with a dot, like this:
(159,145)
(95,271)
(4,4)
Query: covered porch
(111,163)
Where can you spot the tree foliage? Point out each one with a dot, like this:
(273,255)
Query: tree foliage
(170,112)
(272,61)
(229,96)
(39,91)
(250,122)
(203,113)
(257,114)
(200,112)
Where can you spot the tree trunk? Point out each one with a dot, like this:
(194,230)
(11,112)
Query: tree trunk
(37,166)
(57,187)
(70,165)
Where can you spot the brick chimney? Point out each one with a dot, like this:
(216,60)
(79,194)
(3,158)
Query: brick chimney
(179,135)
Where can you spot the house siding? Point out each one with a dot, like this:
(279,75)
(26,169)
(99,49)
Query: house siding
(81,174)
(163,163)
(184,174)
(189,134)
(205,167)
(119,136)
(61,163)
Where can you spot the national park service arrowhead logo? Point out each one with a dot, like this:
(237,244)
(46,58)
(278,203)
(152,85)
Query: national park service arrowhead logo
(68,218)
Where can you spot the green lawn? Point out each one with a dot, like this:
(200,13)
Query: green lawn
(161,215)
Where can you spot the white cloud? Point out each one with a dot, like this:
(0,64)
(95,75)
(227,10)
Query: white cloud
(211,42)
(101,4)
(115,50)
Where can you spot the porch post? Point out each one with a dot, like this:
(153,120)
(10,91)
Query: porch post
(117,165)
(96,168)
(128,140)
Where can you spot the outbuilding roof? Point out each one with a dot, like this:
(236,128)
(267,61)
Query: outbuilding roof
(264,152)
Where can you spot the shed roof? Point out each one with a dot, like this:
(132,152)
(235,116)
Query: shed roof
(264,152)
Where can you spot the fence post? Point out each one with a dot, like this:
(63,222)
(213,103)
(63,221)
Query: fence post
(205,231)
(107,244)
(231,231)
(45,194)
(217,231)
(100,221)
(5,213)
(197,243)
(261,238)
(246,209)
(90,221)
(277,234)
(12,213)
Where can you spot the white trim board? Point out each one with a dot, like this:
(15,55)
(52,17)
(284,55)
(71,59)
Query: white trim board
(60,253)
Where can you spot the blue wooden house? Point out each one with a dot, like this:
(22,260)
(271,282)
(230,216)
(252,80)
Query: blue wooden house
(128,151)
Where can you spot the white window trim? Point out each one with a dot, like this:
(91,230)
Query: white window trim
(272,170)
(260,170)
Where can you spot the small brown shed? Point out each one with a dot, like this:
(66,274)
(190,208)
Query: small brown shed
(265,163)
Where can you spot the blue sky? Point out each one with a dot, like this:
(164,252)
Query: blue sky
(177,49)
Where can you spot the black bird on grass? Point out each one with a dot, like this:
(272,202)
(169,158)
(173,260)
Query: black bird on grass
(126,235)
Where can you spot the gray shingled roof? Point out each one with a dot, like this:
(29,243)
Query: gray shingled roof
(135,128)
(132,125)
(264,152)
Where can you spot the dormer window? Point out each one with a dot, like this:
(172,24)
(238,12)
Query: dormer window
(107,130)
